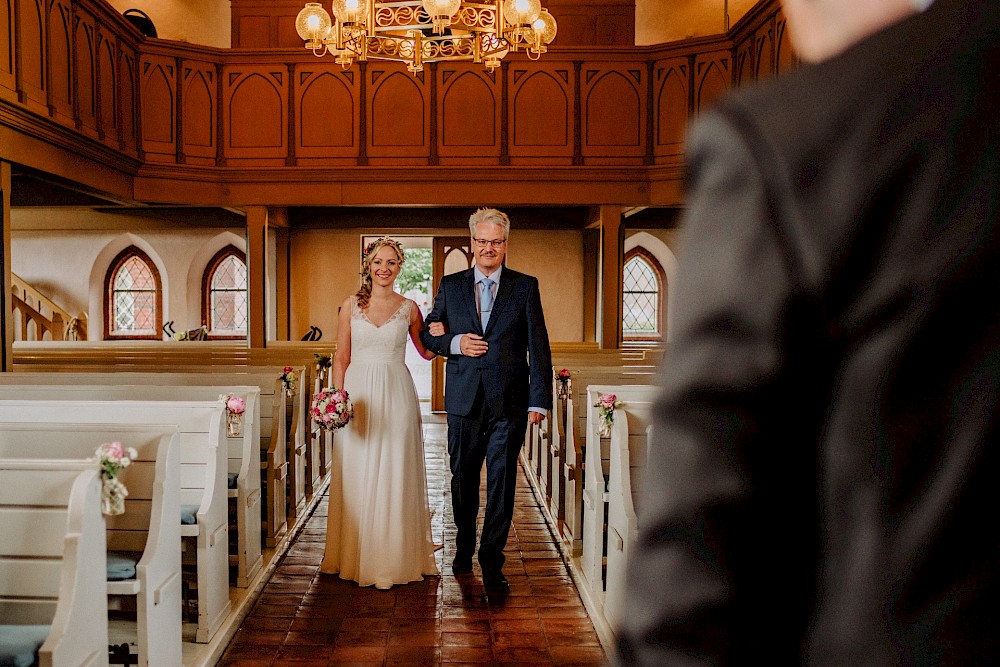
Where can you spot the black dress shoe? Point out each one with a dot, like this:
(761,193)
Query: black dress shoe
(461,565)
(495,582)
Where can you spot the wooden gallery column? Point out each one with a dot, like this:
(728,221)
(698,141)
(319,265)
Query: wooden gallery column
(6,314)
(257,235)
(609,220)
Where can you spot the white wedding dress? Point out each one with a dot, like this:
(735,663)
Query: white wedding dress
(379,525)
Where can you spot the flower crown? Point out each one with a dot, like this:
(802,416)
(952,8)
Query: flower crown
(380,242)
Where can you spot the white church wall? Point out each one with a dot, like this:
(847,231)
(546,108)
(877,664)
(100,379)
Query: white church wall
(66,255)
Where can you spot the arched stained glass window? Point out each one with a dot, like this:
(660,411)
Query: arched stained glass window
(132,305)
(225,288)
(642,292)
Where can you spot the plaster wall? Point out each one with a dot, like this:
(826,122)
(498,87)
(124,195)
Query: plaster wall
(66,255)
(659,21)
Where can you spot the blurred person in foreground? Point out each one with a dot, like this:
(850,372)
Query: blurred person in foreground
(826,442)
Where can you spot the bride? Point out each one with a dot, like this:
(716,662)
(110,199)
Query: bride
(378,526)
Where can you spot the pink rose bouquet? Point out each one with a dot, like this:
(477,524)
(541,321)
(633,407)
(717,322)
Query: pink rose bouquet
(331,409)
(607,404)
(562,382)
(235,407)
(112,459)
(288,378)
(234,404)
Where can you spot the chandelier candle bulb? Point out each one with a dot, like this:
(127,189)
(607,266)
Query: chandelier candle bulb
(441,13)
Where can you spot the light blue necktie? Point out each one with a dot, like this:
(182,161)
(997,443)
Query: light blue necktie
(485,301)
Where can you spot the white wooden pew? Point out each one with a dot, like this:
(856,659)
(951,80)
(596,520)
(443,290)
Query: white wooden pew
(203,478)
(52,546)
(150,525)
(574,443)
(557,454)
(242,450)
(629,451)
(283,439)
(596,492)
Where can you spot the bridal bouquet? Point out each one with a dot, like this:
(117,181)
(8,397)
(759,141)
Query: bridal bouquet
(113,458)
(607,403)
(331,409)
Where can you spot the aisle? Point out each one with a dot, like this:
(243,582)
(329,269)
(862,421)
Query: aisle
(304,618)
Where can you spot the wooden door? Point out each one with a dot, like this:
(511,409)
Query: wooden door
(451,254)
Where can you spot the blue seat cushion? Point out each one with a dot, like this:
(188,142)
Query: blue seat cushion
(121,565)
(233,476)
(19,644)
(189,514)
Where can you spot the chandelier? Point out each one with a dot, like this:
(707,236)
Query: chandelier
(420,31)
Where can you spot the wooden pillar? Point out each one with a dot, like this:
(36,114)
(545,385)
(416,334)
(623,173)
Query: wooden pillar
(6,314)
(278,220)
(591,293)
(612,242)
(257,275)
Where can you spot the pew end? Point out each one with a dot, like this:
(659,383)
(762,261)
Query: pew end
(54,543)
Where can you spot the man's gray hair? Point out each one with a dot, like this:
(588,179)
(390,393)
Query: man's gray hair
(491,216)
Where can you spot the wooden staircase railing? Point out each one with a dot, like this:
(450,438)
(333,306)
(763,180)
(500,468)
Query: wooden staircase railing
(32,307)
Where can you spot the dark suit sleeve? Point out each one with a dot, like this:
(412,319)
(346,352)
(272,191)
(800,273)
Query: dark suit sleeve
(440,345)
(718,539)
(539,354)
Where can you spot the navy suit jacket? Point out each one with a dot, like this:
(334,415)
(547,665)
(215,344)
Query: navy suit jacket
(829,425)
(516,370)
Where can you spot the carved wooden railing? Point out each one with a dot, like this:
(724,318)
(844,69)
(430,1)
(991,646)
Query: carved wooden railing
(166,121)
(31,307)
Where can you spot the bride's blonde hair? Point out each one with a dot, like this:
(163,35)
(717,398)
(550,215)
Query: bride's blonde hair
(367,255)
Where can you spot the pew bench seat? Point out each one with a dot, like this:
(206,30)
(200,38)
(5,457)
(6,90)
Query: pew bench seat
(52,609)
(202,477)
(144,543)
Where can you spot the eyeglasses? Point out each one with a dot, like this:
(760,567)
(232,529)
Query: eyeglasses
(493,243)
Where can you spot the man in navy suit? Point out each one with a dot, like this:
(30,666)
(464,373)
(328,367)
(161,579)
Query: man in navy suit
(498,380)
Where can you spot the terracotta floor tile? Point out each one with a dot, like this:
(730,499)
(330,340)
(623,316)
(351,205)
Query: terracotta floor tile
(250,652)
(466,639)
(413,654)
(251,637)
(464,625)
(304,617)
(578,655)
(265,624)
(522,655)
(303,653)
(414,625)
(374,654)
(366,624)
(314,624)
(464,655)
(349,638)
(309,638)
(404,638)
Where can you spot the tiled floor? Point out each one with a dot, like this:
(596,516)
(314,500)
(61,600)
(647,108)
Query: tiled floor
(305,618)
